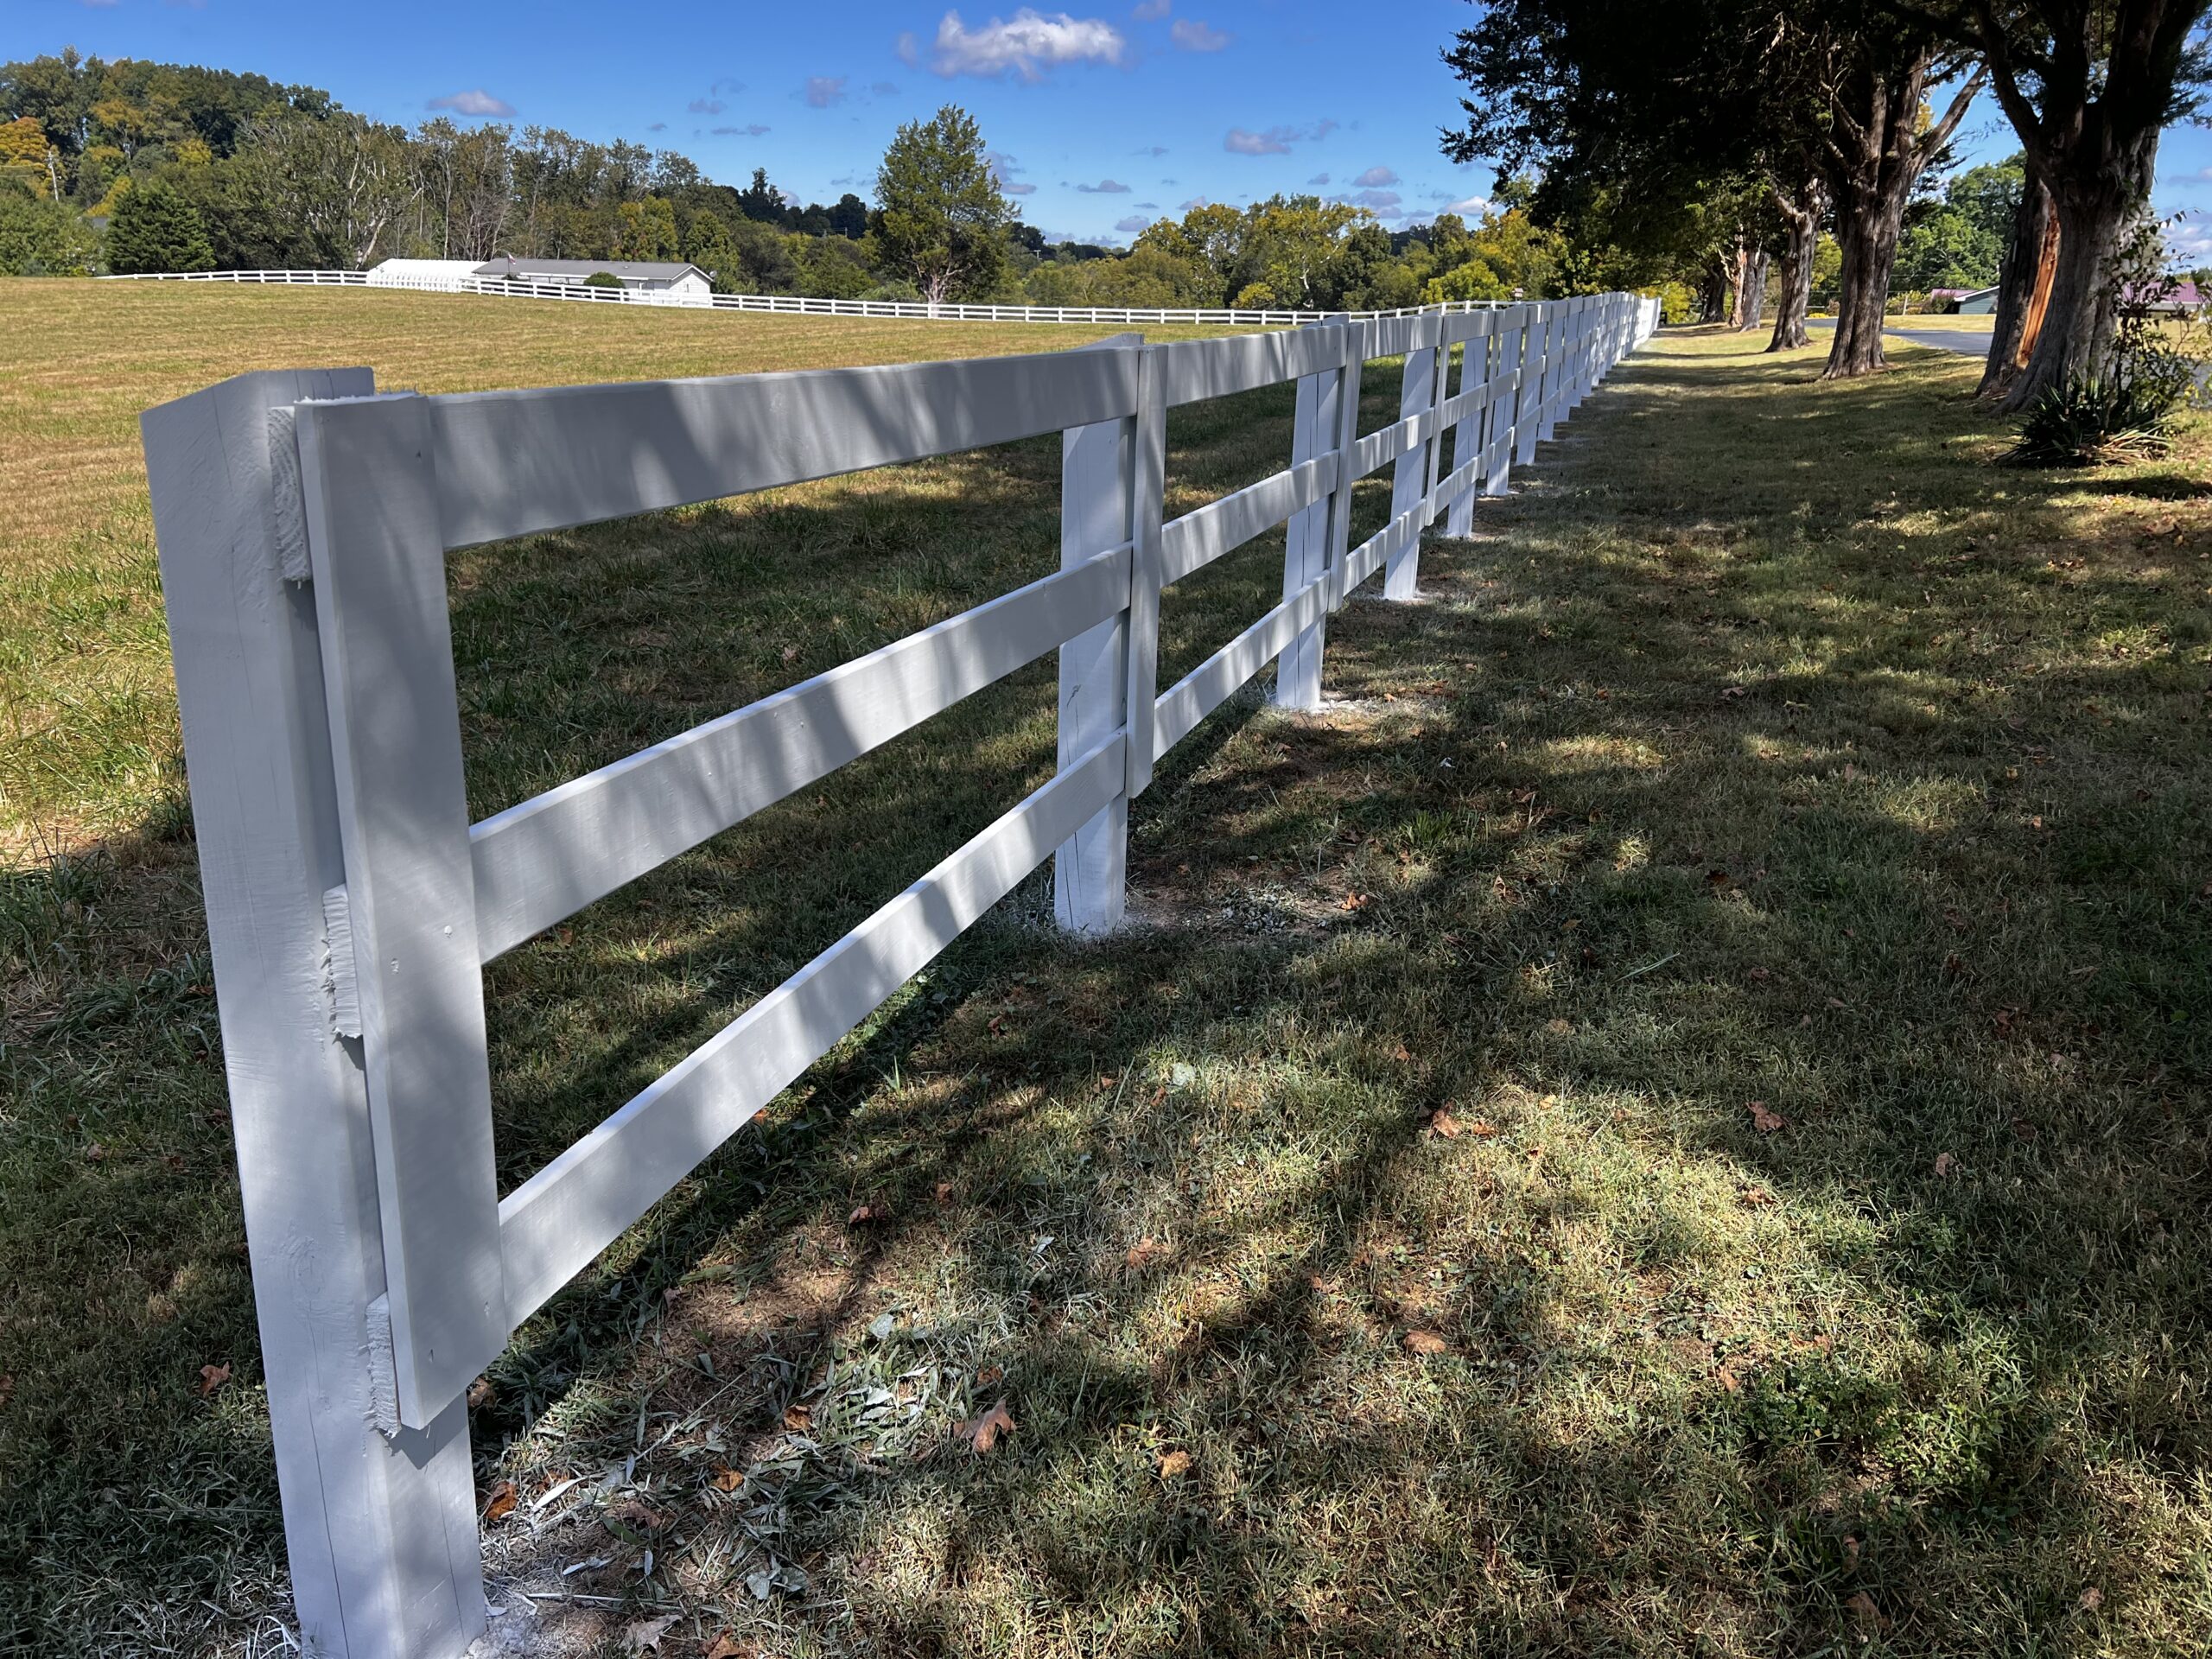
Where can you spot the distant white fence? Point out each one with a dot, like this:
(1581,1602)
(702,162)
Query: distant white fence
(794,303)
(303,522)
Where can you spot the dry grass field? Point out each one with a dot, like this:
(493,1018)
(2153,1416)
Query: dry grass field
(1670,1118)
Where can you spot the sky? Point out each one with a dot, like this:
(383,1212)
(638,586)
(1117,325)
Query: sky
(1103,118)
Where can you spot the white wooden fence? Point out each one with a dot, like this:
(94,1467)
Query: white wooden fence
(793,303)
(304,522)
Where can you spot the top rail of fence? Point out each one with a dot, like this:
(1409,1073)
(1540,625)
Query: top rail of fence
(802,305)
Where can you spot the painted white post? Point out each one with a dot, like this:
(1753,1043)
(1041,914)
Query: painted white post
(1314,431)
(380,1528)
(1476,375)
(1555,369)
(1529,410)
(1145,523)
(1097,499)
(1410,479)
(1501,429)
(1347,435)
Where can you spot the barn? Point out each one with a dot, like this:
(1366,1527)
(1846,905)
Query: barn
(648,280)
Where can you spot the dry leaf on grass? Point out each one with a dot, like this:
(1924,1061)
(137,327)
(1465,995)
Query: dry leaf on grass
(944,1191)
(1426,1342)
(500,1501)
(1764,1122)
(1354,901)
(212,1377)
(725,1478)
(1174,1464)
(878,1211)
(982,1433)
(1483,1127)
(480,1394)
(798,1418)
(1945,1163)
(1142,1254)
(1864,1610)
(643,1635)
(725,1648)
(2092,1598)
(1443,1123)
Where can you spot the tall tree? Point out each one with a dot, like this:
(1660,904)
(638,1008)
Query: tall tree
(156,229)
(941,218)
(2088,84)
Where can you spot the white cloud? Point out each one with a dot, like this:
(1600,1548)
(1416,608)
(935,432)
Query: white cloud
(1319,181)
(1381,201)
(1022,47)
(1195,37)
(823,90)
(1004,167)
(1195,201)
(1132,224)
(1275,141)
(1375,178)
(1150,11)
(752,131)
(1149,206)
(1104,188)
(706,106)
(475,101)
(885,89)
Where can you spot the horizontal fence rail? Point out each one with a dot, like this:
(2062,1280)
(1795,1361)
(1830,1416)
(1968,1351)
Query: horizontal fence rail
(796,304)
(303,523)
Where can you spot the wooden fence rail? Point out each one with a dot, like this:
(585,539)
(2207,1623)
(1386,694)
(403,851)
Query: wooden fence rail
(794,304)
(304,522)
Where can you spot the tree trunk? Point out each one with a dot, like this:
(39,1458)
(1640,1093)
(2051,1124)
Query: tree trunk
(2023,290)
(2091,213)
(1713,293)
(1867,228)
(1801,214)
(1751,289)
(1877,155)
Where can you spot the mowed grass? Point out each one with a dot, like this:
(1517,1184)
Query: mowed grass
(1770,745)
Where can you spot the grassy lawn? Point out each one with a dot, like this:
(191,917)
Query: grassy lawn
(1671,1118)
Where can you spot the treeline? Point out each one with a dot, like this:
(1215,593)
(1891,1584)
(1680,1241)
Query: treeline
(1720,138)
(140,167)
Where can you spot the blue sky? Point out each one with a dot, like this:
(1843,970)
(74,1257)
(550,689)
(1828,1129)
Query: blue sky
(1106,115)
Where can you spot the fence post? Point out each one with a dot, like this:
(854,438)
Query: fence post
(1528,407)
(1145,524)
(380,1528)
(1097,501)
(1467,445)
(1410,478)
(1316,429)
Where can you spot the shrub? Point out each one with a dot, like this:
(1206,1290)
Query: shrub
(2087,419)
(43,239)
(602,279)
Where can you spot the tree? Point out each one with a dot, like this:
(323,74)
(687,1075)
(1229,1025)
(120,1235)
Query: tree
(43,239)
(761,200)
(941,216)
(155,228)
(2088,84)
(341,181)
(648,230)
(1944,248)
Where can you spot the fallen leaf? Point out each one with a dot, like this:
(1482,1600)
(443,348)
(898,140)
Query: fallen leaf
(989,1375)
(480,1393)
(2092,1598)
(1426,1342)
(727,1479)
(1729,1380)
(1482,1126)
(500,1501)
(790,653)
(1864,1610)
(1353,901)
(1764,1122)
(212,1377)
(1945,1163)
(1757,1197)
(6,1387)
(1142,1254)
(944,1191)
(725,1648)
(983,1433)
(639,1512)
(1174,1464)
(1760,975)
(643,1635)
(878,1211)
(97,1153)
(1443,1123)
(798,1418)
(1851,1552)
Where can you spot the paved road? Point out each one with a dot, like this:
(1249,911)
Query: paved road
(1968,342)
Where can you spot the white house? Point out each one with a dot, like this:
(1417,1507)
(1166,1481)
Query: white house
(650,281)
(446,275)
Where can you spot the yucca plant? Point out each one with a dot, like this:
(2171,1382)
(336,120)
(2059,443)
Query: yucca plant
(2086,420)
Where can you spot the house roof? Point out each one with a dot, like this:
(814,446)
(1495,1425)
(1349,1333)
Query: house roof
(1957,293)
(2182,293)
(630,271)
(426,267)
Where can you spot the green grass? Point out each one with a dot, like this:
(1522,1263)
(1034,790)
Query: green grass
(1770,745)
